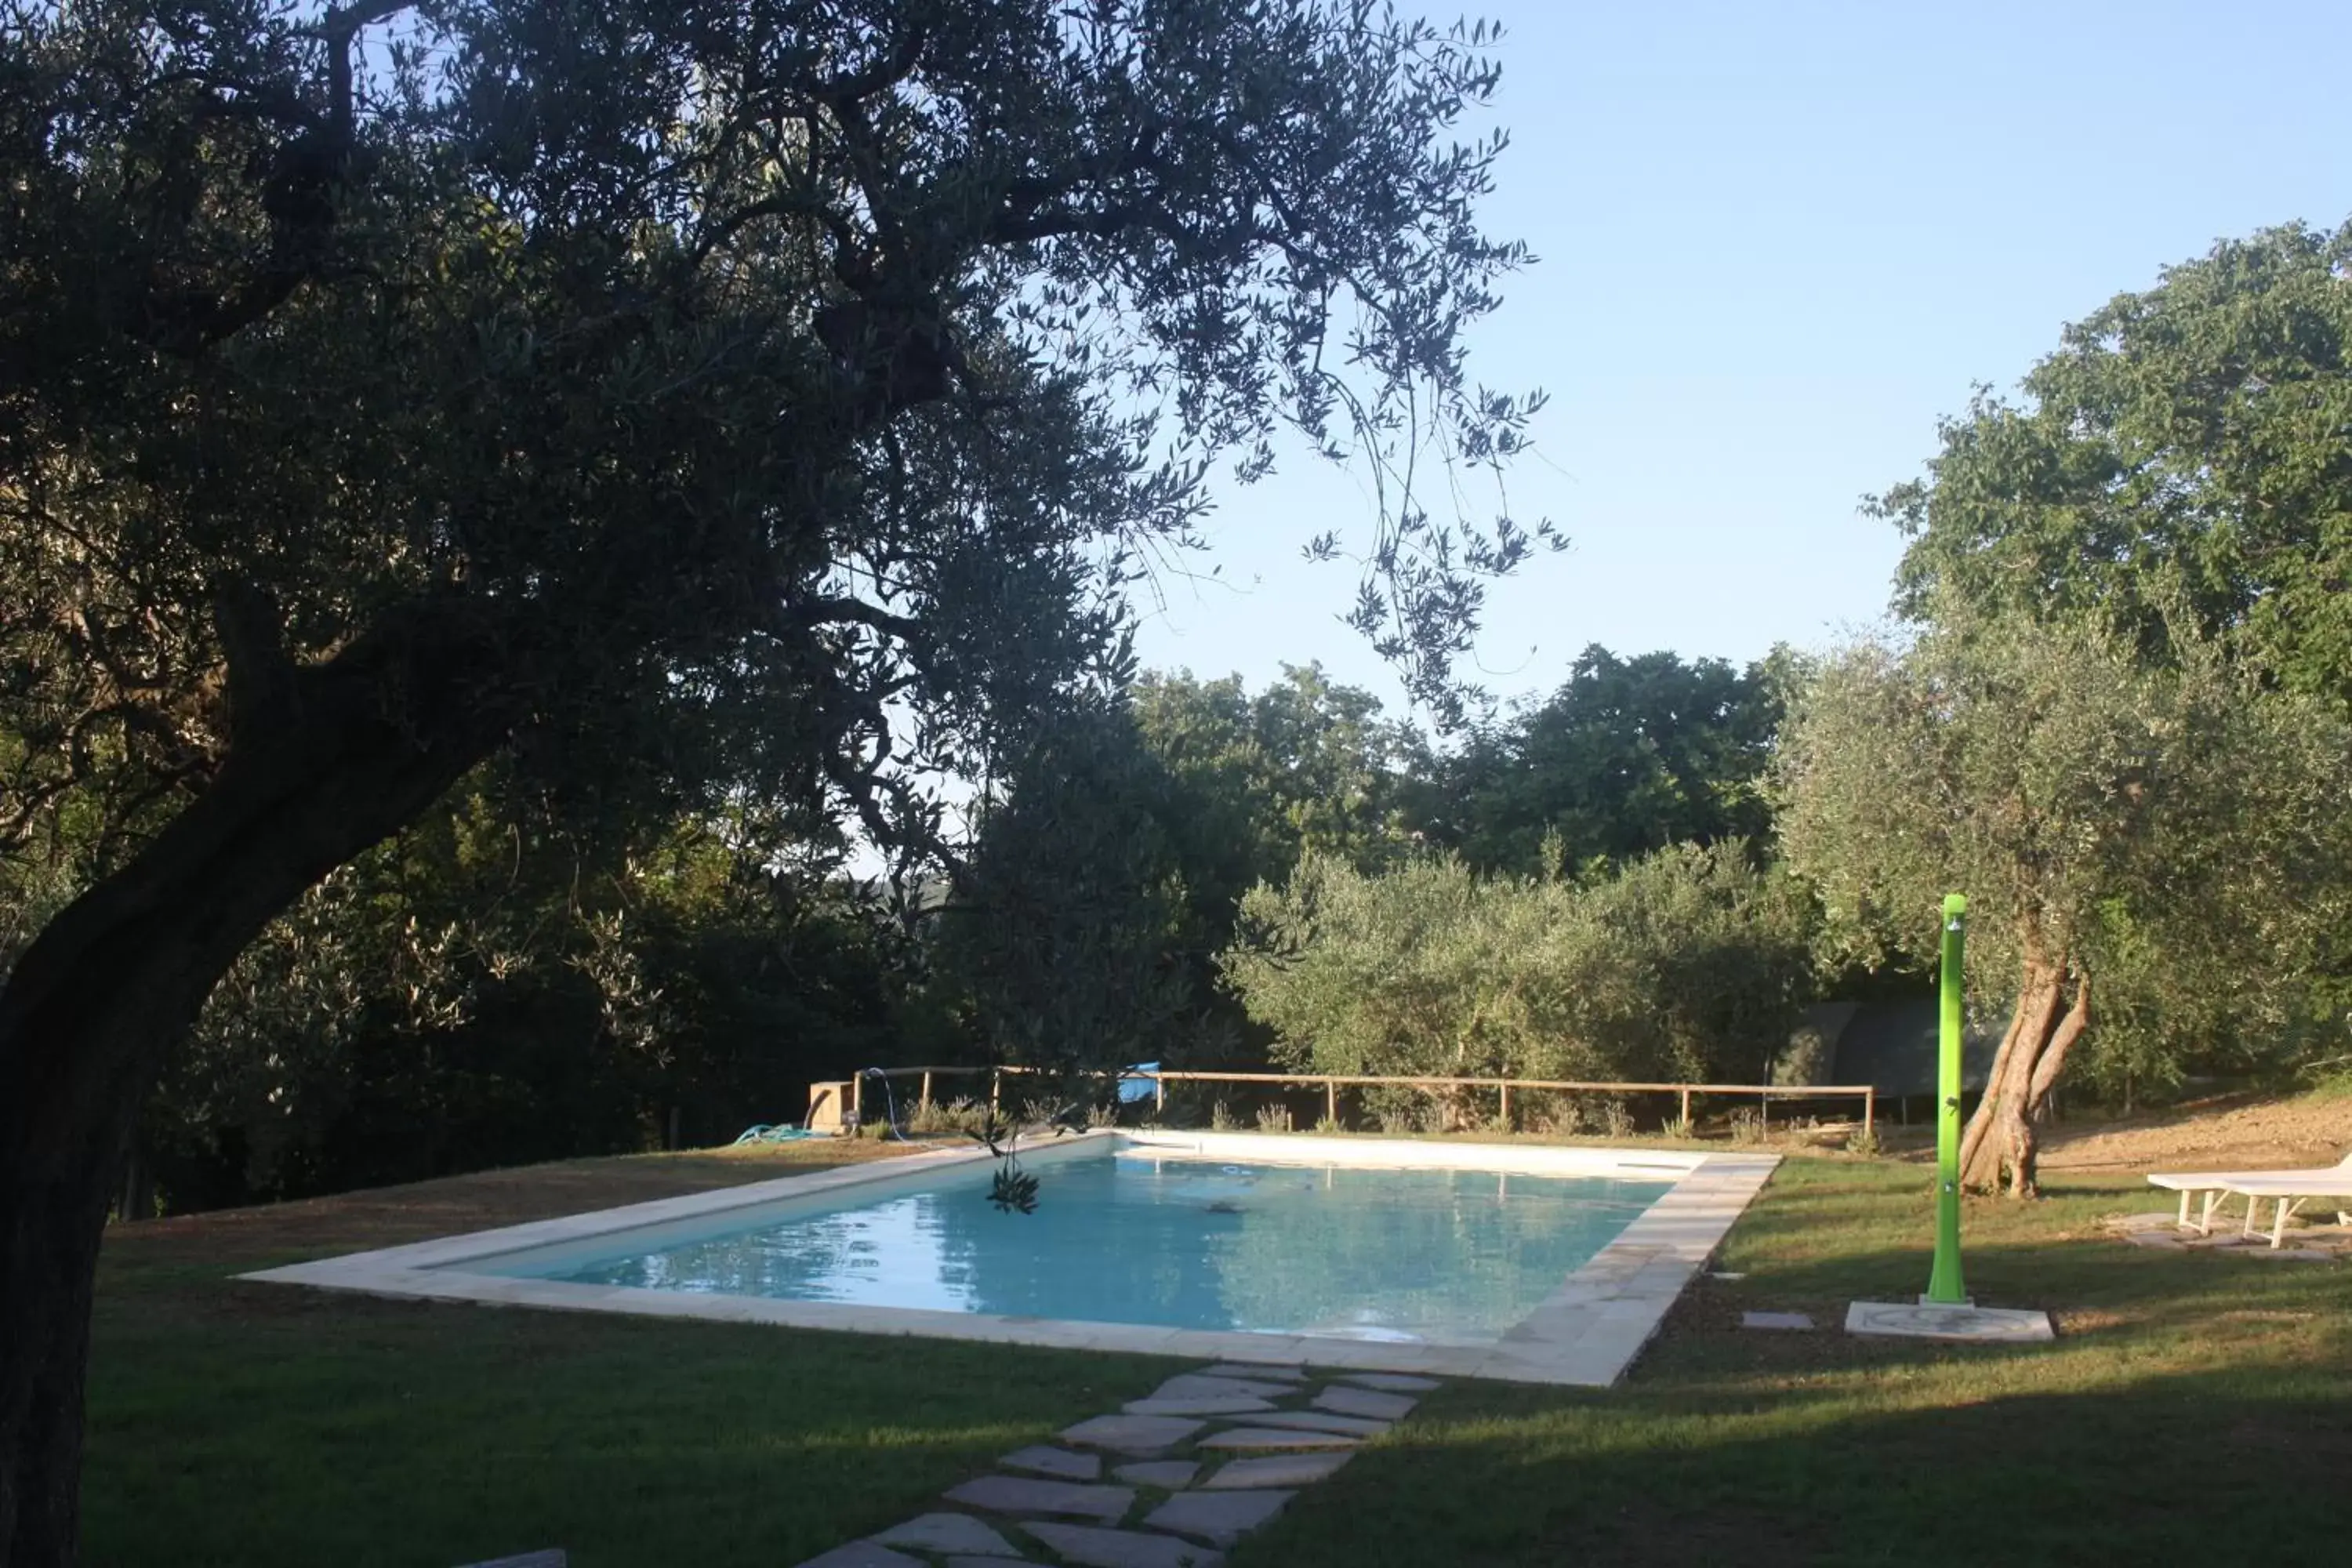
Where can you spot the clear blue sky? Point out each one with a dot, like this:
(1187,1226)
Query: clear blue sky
(1779,240)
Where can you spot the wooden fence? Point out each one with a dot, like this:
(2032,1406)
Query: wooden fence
(1330,1084)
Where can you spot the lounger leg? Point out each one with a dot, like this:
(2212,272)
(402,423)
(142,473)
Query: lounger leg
(2183,1222)
(2278,1228)
(2253,1207)
(2212,1202)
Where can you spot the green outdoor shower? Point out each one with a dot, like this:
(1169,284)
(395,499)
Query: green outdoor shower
(1945,1287)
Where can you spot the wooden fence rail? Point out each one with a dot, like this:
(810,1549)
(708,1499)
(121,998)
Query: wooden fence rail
(1331,1083)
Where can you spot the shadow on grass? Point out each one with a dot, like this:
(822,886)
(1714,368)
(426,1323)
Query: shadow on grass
(2170,1468)
(359,1432)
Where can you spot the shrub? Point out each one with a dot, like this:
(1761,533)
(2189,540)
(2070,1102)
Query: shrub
(1688,965)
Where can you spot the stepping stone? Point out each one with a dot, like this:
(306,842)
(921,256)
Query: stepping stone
(2155,1238)
(1321,1421)
(1197,1386)
(949,1533)
(1221,1517)
(1278,1470)
(1223,1405)
(1775,1321)
(1230,1369)
(1393,1382)
(1018,1494)
(1365,1402)
(1241,1437)
(864,1554)
(1122,1548)
(1140,1434)
(1059,1463)
(1168,1474)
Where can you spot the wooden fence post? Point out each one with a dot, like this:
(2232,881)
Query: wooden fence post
(1503,1093)
(1159,1093)
(1687,1130)
(1332,1104)
(995,1089)
(926,1099)
(1870,1114)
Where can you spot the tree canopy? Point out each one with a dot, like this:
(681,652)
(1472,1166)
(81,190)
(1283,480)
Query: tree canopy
(1630,755)
(2184,446)
(685,398)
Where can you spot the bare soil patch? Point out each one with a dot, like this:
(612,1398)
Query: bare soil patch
(2239,1132)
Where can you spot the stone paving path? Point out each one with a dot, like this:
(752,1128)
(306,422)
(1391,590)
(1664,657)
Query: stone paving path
(1167,1481)
(2312,1241)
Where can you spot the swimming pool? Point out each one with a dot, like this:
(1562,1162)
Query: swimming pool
(1531,1263)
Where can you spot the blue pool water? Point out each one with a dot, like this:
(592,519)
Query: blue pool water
(1447,1257)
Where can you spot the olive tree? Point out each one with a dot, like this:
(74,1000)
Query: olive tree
(2163,840)
(685,396)
(1689,965)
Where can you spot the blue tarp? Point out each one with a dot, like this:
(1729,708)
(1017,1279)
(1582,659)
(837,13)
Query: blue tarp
(1133,1087)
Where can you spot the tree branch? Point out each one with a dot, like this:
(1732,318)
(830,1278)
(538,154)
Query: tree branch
(261,678)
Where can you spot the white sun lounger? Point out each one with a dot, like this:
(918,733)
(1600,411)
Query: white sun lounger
(2289,1188)
(2290,1192)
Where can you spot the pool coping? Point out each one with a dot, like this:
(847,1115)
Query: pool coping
(1584,1334)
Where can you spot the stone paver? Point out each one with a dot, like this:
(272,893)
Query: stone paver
(1365,1402)
(1233,1369)
(1278,1470)
(1392,1381)
(1123,1548)
(1019,1494)
(1971,1325)
(1775,1321)
(1168,1474)
(1059,1463)
(949,1533)
(1196,1386)
(1205,1405)
(1263,1454)
(1321,1421)
(1221,1517)
(1245,1438)
(862,1554)
(1140,1434)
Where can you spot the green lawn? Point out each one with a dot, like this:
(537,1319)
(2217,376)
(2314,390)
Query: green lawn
(2197,1408)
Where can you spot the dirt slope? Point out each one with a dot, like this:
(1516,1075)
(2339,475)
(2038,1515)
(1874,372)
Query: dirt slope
(2239,1133)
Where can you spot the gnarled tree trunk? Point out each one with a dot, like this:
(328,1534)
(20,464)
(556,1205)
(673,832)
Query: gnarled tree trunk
(323,762)
(2044,1026)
